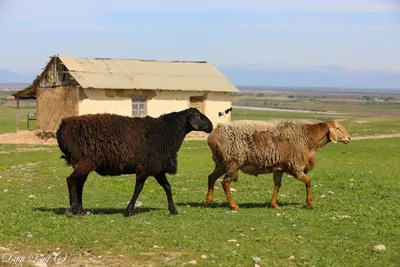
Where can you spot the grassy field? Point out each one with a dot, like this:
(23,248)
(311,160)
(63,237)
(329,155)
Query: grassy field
(371,103)
(9,113)
(355,189)
(358,125)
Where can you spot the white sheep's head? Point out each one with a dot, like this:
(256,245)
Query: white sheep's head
(337,133)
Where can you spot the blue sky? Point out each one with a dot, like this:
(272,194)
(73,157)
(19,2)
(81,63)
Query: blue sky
(356,34)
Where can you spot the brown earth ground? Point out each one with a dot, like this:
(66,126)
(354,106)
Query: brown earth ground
(85,257)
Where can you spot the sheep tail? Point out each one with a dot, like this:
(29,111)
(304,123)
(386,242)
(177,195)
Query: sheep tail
(67,159)
(61,145)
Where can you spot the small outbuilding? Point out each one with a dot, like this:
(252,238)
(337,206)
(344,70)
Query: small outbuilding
(75,86)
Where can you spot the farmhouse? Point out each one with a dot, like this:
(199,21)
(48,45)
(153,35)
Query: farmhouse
(75,86)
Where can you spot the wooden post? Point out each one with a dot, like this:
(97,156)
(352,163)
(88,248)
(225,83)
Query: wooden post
(17,119)
(17,102)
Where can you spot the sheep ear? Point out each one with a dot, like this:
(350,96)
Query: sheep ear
(332,135)
(194,121)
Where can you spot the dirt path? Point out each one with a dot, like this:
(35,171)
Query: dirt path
(83,257)
(25,137)
(29,138)
(376,136)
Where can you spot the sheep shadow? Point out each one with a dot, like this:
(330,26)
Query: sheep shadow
(248,205)
(97,211)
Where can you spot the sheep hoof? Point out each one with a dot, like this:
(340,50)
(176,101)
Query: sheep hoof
(206,202)
(68,212)
(234,207)
(309,206)
(130,213)
(78,213)
(274,207)
(173,212)
(75,211)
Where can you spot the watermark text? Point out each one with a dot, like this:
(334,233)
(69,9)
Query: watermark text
(56,257)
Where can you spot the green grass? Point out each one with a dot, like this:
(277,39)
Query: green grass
(320,102)
(241,114)
(363,177)
(8,118)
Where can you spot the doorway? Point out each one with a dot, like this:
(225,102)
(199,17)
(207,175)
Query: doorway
(197,102)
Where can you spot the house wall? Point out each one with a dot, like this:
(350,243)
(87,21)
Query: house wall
(100,101)
(53,104)
(158,102)
(169,101)
(218,102)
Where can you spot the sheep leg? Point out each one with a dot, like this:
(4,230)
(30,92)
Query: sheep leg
(226,185)
(75,187)
(277,181)
(79,190)
(140,180)
(304,178)
(162,180)
(218,172)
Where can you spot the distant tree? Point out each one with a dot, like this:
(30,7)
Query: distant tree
(290,96)
(367,98)
(238,94)
(260,95)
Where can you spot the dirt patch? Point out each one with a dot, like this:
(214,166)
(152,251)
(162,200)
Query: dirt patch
(376,136)
(25,137)
(32,138)
(84,257)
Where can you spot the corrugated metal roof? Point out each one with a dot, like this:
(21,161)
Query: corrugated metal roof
(105,73)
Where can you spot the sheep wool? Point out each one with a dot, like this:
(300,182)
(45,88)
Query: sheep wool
(113,145)
(258,147)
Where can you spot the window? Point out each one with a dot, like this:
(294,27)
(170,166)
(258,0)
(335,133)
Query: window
(138,106)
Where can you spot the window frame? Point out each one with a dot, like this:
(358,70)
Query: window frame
(136,103)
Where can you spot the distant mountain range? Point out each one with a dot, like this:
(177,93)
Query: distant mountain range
(316,76)
(7,76)
(281,75)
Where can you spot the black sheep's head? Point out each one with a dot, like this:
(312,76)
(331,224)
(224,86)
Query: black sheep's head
(198,121)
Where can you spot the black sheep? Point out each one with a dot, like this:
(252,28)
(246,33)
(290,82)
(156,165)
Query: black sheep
(113,145)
